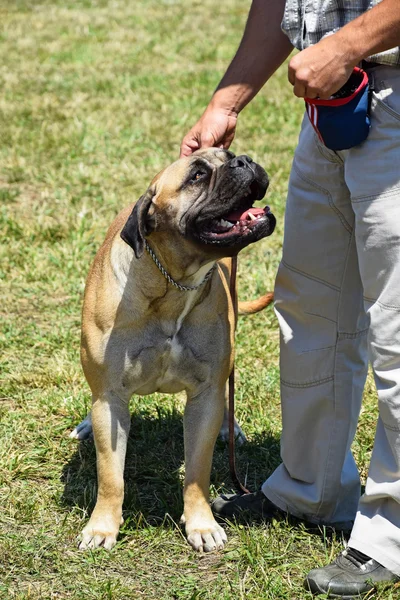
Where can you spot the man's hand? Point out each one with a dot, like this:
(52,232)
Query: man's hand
(215,128)
(321,70)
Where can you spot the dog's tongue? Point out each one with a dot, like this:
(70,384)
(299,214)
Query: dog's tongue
(243,216)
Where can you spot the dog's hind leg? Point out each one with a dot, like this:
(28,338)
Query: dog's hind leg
(240,437)
(111,423)
(84,430)
(202,421)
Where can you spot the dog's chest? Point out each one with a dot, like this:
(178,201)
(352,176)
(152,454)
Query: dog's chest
(165,363)
(174,354)
(175,345)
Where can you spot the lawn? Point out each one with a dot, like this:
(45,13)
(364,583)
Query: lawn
(95,98)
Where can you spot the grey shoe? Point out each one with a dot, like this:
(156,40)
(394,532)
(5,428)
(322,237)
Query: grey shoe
(255,505)
(352,574)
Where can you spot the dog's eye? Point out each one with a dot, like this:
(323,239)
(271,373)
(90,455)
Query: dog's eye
(197,176)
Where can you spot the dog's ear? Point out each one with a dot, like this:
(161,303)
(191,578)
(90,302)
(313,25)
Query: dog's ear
(139,224)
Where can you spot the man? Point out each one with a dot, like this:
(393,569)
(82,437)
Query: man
(338,285)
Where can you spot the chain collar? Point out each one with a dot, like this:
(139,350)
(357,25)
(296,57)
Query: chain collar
(183,288)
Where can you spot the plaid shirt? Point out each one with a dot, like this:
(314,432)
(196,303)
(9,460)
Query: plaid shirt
(305,22)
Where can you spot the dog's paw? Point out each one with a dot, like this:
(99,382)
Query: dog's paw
(83,431)
(206,536)
(98,533)
(240,438)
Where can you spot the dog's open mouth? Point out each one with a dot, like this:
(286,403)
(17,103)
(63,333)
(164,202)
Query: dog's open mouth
(239,222)
(240,226)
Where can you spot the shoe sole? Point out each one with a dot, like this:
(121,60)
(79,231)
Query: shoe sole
(315,589)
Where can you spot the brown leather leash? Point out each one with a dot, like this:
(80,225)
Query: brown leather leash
(232,467)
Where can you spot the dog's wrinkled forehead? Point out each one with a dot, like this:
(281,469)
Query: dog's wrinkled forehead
(216,156)
(170,182)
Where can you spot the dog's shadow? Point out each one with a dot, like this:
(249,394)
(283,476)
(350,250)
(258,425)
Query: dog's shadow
(154,468)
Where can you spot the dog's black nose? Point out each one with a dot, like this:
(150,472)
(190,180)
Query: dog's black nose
(242,161)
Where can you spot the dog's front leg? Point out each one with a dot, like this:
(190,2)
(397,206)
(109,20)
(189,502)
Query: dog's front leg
(240,437)
(111,423)
(202,422)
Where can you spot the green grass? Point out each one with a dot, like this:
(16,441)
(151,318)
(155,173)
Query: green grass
(96,96)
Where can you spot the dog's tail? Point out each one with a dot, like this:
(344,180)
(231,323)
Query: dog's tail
(253,306)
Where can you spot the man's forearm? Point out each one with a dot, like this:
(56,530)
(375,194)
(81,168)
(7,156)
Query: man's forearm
(262,50)
(375,31)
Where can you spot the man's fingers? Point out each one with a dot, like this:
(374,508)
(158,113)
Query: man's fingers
(319,70)
(297,78)
(291,74)
(192,143)
(196,140)
(299,89)
(189,145)
(302,89)
(311,93)
(186,150)
(215,129)
(327,94)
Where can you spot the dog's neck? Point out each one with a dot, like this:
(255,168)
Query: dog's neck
(184,266)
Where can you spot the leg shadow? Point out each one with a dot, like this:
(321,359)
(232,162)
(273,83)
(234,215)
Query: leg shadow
(154,467)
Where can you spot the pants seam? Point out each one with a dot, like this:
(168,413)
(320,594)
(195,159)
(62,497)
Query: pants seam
(390,427)
(394,114)
(392,192)
(334,158)
(307,384)
(295,270)
(318,349)
(386,306)
(341,217)
(332,437)
(353,336)
(276,499)
(381,304)
(306,312)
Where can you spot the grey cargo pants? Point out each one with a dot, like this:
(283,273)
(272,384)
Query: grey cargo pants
(338,304)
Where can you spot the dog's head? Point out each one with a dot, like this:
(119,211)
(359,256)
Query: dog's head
(206,199)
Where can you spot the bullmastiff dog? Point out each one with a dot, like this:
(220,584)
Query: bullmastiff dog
(158,317)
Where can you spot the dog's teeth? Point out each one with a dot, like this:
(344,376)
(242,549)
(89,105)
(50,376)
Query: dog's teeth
(224,223)
(252,217)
